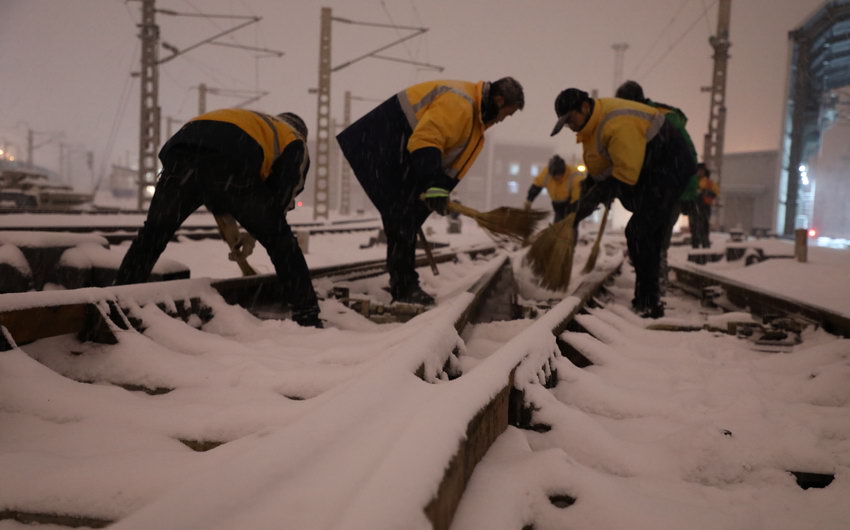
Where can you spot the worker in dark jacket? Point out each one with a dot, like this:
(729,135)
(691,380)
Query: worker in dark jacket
(563,183)
(239,162)
(634,154)
(422,140)
(632,91)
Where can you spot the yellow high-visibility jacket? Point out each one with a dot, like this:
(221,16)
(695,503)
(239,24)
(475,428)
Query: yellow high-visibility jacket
(614,138)
(446,115)
(271,133)
(708,190)
(564,187)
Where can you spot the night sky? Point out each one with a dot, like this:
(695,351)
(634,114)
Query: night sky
(65,64)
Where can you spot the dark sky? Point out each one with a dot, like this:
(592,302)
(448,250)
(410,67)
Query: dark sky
(65,64)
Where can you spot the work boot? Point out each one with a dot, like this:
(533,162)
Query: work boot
(308,317)
(648,309)
(414,295)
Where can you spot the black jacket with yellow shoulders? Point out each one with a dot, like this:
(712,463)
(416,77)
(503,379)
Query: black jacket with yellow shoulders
(268,146)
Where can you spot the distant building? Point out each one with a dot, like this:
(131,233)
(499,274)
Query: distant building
(123,181)
(828,175)
(29,186)
(748,191)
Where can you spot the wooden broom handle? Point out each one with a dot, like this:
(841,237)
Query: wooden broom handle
(463,209)
(231,236)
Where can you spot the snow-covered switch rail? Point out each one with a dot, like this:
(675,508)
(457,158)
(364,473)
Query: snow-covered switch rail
(190,412)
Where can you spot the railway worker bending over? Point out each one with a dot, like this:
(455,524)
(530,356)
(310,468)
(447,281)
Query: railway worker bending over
(632,152)
(239,162)
(563,183)
(422,140)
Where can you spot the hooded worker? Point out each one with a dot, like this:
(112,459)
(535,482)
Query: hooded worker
(422,141)
(247,164)
(563,184)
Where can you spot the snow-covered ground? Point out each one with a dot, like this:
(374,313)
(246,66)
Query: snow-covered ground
(666,430)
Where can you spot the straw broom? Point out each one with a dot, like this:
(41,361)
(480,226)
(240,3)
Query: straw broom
(513,223)
(551,254)
(594,252)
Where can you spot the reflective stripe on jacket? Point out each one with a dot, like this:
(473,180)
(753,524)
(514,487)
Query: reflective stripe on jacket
(614,138)
(561,189)
(446,115)
(271,133)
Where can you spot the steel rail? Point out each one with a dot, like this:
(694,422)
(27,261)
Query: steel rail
(761,303)
(87,315)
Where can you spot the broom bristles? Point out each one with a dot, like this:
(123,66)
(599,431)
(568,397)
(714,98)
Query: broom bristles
(551,254)
(513,223)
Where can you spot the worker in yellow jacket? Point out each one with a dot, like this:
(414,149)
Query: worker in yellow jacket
(708,190)
(240,162)
(632,153)
(563,184)
(422,140)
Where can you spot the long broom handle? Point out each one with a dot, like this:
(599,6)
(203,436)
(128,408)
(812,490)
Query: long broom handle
(427,246)
(231,237)
(463,209)
(594,252)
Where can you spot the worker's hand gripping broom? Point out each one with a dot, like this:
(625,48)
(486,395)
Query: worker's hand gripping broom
(513,223)
(230,233)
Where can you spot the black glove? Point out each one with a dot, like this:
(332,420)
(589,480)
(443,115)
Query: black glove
(437,200)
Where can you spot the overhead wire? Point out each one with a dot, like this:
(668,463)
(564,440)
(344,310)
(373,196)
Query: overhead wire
(120,110)
(682,36)
(660,35)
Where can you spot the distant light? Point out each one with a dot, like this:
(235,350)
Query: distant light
(1,152)
(582,168)
(803,168)
(149,189)
(299,204)
(805,178)
(813,232)
(11,158)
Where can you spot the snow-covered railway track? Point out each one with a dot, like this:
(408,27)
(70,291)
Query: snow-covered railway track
(120,234)
(263,424)
(125,318)
(763,304)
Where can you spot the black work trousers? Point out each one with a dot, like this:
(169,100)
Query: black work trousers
(700,225)
(667,166)
(561,208)
(376,149)
(224,185)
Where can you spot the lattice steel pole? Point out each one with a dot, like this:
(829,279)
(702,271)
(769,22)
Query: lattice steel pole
(344,168)
(149,89)
(619,58)
(713,148)
(323,119)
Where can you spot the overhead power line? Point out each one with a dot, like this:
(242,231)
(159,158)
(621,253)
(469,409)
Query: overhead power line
(678,40)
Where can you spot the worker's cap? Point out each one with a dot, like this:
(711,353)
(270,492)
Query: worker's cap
(567,100)
(294,121)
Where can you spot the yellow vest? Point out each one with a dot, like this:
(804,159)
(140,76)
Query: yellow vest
(561,187)
(446,115)
(272,134)
(614,138)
